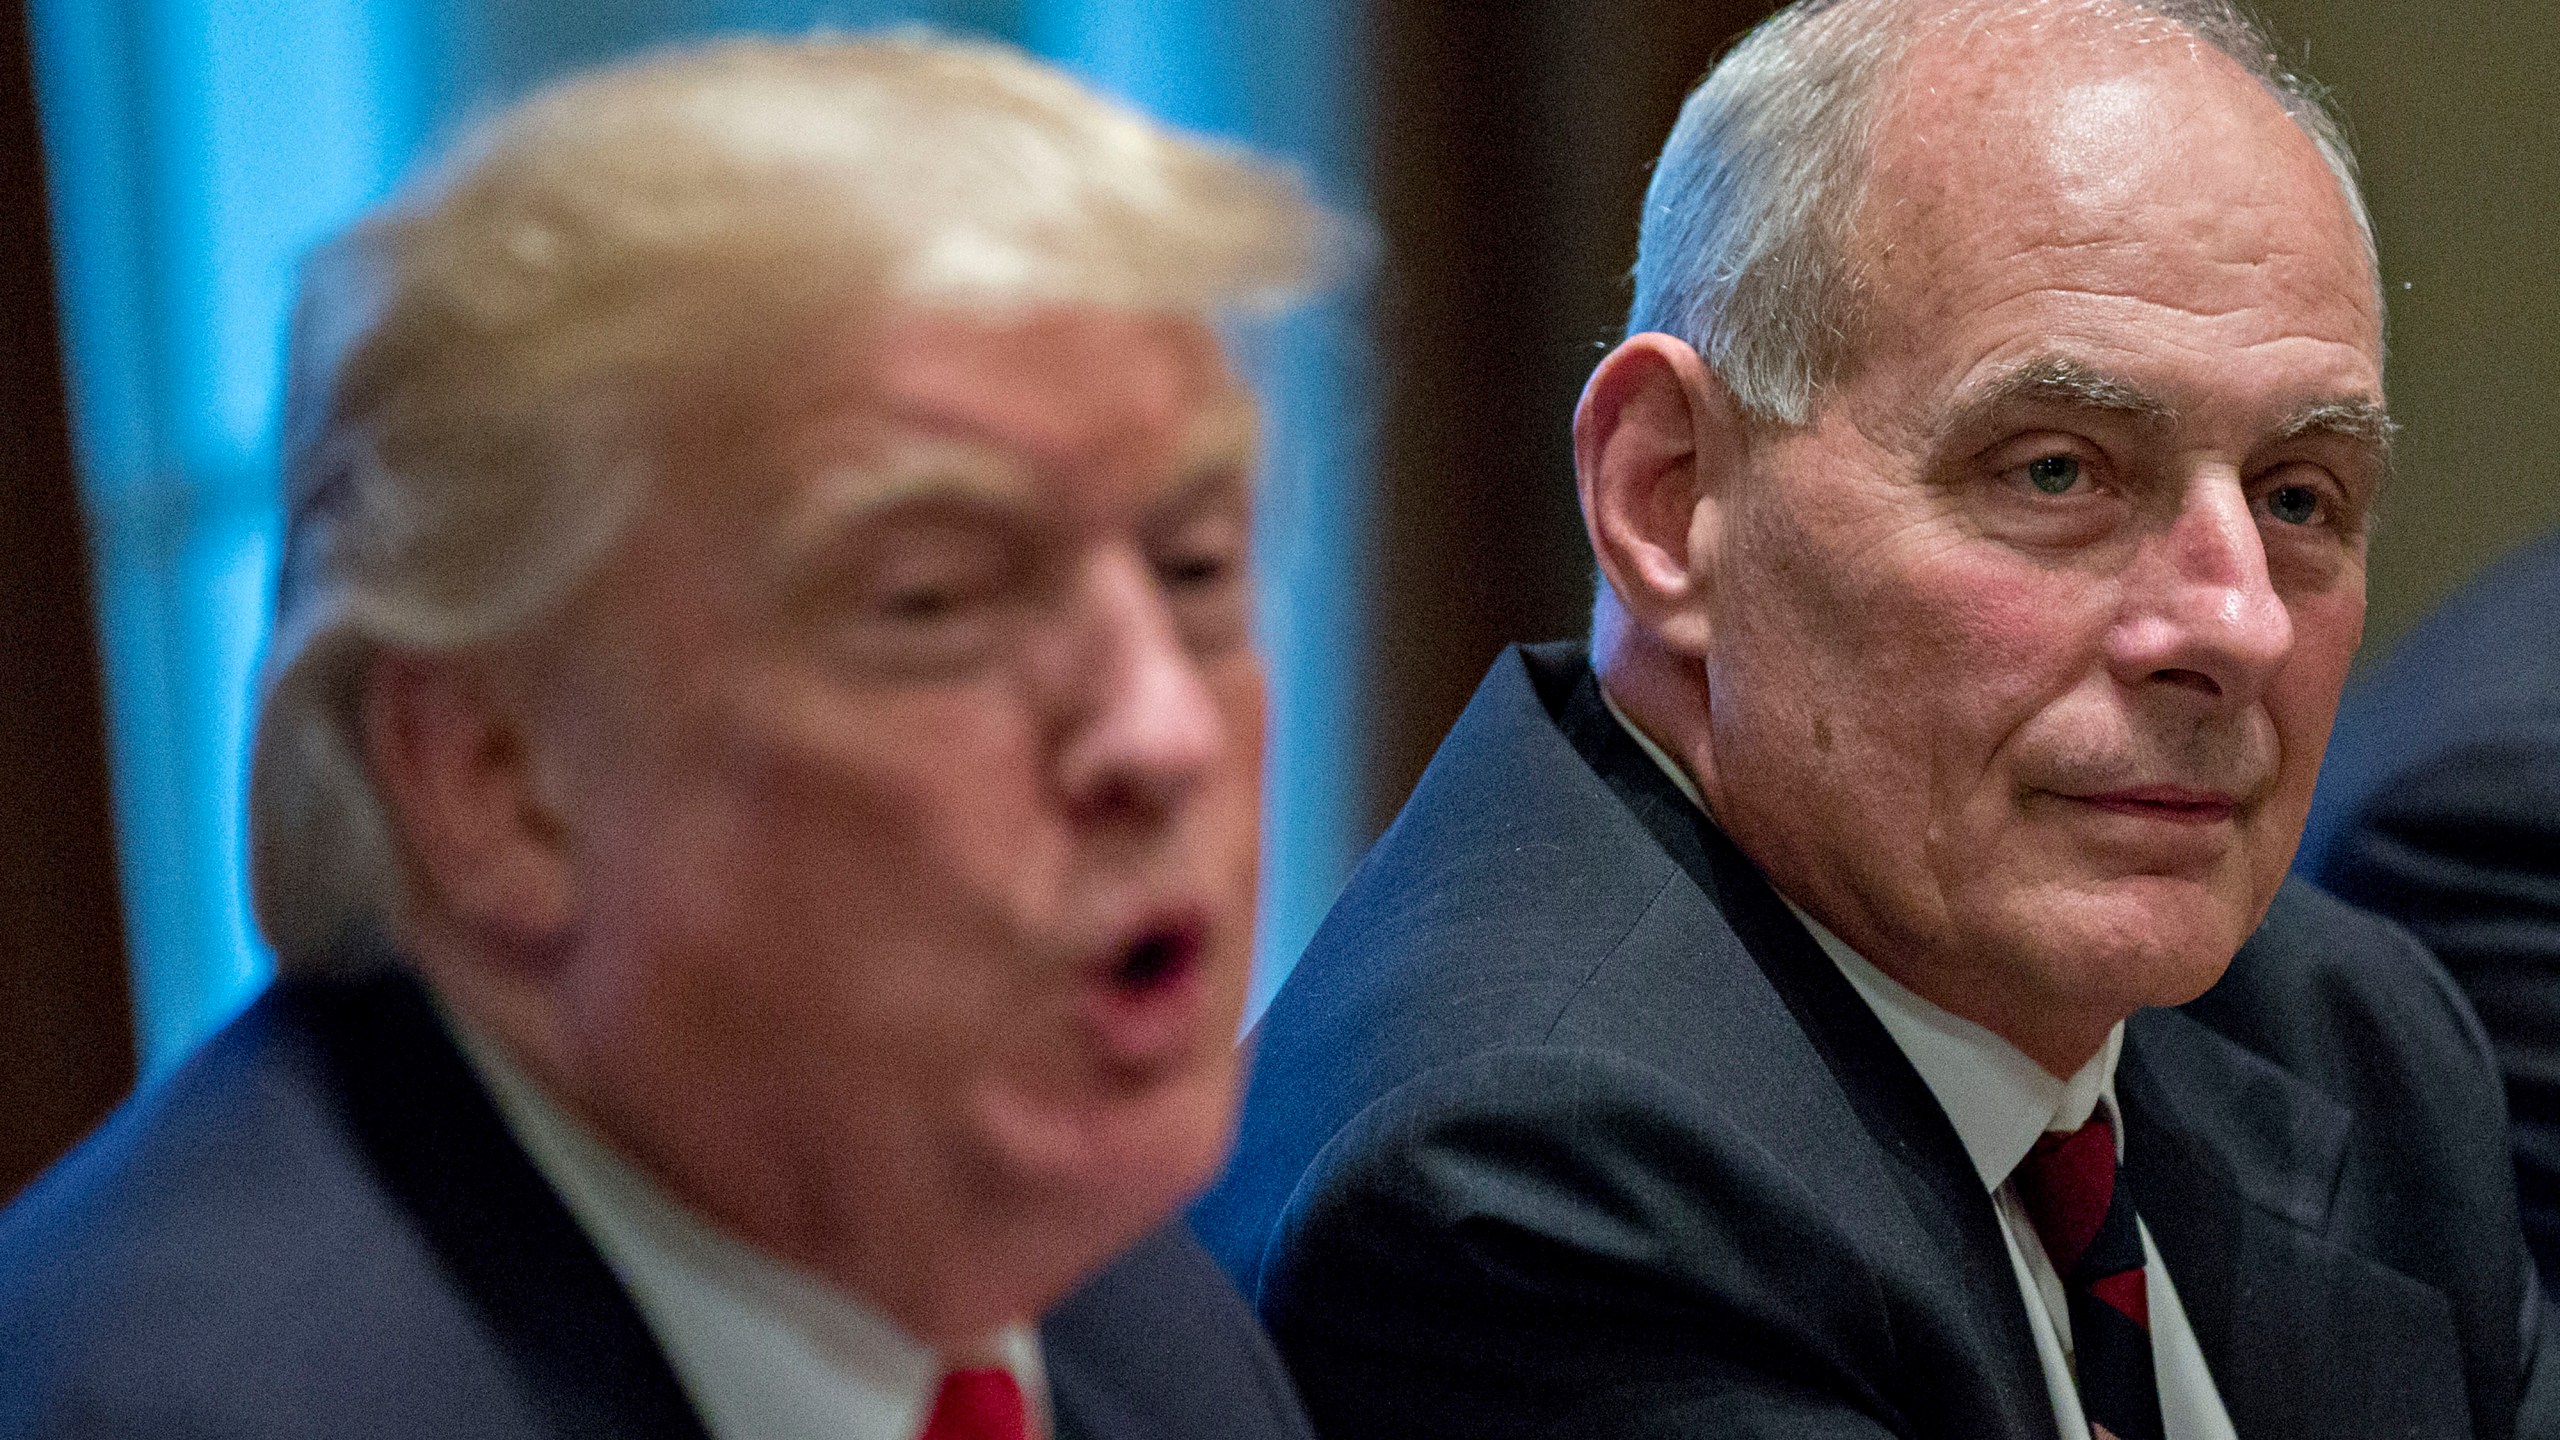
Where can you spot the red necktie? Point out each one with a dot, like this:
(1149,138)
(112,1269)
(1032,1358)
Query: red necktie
(2086,1222)
(977,1405)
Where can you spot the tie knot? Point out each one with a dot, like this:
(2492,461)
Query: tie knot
(2068,1183)
(977,1405)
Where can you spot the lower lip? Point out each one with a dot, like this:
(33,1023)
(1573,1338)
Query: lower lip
(1151,1021)
(2174,812)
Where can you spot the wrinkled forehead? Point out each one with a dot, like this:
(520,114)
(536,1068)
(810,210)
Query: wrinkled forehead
(1063,385)
(2054,145)
(1086,412)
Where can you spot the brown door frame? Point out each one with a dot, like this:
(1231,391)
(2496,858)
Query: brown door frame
(1512,147)
(66,1026)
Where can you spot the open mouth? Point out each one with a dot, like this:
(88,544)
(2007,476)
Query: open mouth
(1149,1000)
(1156,960)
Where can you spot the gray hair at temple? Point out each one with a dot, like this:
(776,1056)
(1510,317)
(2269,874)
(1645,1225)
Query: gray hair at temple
(1746,249)
(480,371)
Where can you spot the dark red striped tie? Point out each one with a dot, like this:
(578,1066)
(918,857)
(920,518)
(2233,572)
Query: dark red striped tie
(978,1405)
(2086,1221)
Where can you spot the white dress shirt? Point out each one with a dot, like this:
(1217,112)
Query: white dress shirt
(2000,1102)
(764,1350)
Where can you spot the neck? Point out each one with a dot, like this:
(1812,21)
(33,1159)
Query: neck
(2059,1036)
(1665,696)
(885,1222)
(2061,1046)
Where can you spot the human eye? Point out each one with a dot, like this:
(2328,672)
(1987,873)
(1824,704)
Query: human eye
(927,578)
(2055,474)
(922,595)
(2311,521)
(2048,490)
(1206,558)
(2294,504)
(1201,564)
(2300,496)
(2051,469)
(926,599)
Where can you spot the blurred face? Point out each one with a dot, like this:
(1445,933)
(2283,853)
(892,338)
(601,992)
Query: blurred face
(2026,651)
(911,743)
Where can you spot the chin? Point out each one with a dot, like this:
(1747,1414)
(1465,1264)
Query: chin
(1052,1188)
(1113,1161)
(2135,943)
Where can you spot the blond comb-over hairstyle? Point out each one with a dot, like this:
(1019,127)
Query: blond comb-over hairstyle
(478,369)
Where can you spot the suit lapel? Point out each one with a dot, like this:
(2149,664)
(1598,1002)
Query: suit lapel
(2235,1166)
(441,1151)
(1887,1095)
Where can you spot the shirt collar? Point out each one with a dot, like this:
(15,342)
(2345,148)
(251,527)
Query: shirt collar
(1671,769)
(766,1351)
(1997,1098)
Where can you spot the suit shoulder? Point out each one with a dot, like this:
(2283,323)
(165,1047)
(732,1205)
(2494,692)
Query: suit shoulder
(2321,975)
(214,1160)
(2350,1004)
(1508,874)
(1536,1209)
(1159,1342)
(1566,1180)
(2457,682)
(2469,806)
(1509,878)
(218,1260)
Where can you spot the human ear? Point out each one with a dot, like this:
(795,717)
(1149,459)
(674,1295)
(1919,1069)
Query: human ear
(455,762)
(1656,438)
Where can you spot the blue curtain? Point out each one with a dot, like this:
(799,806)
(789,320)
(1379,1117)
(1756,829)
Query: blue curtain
(199,147)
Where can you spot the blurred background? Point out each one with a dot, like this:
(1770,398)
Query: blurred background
(165,163)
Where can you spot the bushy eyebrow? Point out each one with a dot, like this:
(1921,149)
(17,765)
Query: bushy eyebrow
(2068,384)
(2061,382)
(907,472)
(966,473)
(2352,417)
(1222,440)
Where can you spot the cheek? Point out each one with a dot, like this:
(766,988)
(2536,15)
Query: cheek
(871,906)
(1241,694)
(1216,845)
(807,843)
(2327,628)
(1949,648)
(922,805)
(2034,667)
(2004,636)
(2302,700)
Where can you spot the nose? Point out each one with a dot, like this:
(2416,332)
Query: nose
(2201,613)
(1140,726)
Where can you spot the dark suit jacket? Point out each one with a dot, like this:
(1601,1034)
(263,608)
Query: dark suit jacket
(2440,807)
(1565,1127)
(320,1227)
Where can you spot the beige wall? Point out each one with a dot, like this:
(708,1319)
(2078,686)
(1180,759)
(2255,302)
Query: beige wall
(2455,109)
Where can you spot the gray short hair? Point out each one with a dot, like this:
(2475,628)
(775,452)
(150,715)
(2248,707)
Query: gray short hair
(476,368)
(1746,246)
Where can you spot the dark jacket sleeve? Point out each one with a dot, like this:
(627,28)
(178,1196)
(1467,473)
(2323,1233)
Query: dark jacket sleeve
(2465,851)
(1537,1215)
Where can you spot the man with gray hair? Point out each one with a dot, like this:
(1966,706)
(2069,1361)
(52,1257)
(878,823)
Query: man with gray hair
(755,799)
(1860,996)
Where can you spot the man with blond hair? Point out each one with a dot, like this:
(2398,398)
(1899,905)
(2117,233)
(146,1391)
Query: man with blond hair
(1858,995)
(755,799)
